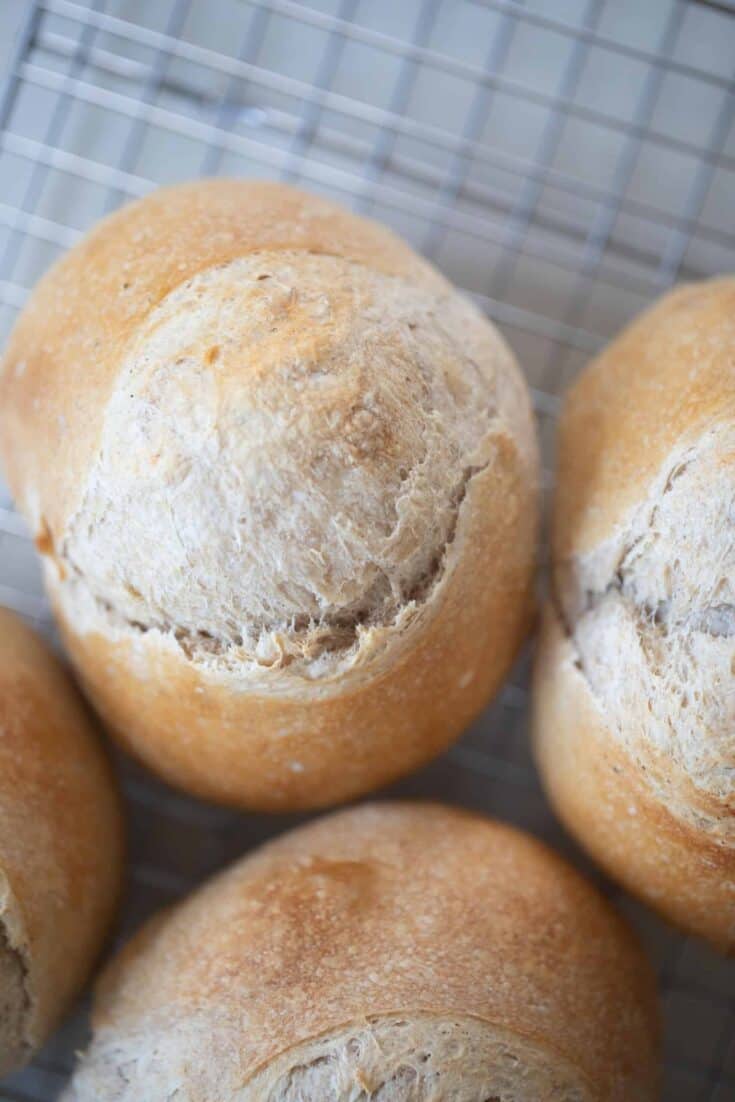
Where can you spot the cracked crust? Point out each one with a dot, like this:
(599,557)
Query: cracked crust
(289,526)
(60,843)
(667,615)
(418,1058)
(305,488)
(314,644)
(390,953)
(608,801)
(644,592)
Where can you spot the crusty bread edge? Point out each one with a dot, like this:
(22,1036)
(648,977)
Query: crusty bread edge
(603,798)
(635,404)
(227,219)
(130,1023)
(196,729)
(533,1049)
(57,955)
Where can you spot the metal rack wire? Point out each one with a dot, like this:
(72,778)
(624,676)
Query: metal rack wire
(563,163)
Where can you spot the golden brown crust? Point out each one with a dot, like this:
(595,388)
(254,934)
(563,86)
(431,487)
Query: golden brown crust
(207,736)
(278,740)
(60,828)
(403,910)
(606,801)
(129,263)
(633,705)
(665,379)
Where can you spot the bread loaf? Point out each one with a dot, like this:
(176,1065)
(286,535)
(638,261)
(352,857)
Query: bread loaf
(634,702)
(283,480)
(60,843)
(393,953)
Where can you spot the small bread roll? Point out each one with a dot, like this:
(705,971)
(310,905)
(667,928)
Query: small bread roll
(634,703)
(283,478)
(60,843)
(392,953)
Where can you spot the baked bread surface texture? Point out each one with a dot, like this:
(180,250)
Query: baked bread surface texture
(393,952)
(283,478)
(60,843)
(634,704)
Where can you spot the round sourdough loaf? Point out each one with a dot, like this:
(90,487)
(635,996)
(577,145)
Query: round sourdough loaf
(392,953)
(60,843)
(634,697)
(283,478)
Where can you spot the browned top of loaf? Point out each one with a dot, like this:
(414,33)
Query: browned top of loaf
(60,823)
(667,378)
(391,909)
(66,351)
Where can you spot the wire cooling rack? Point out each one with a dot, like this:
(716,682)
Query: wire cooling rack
(563,162)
